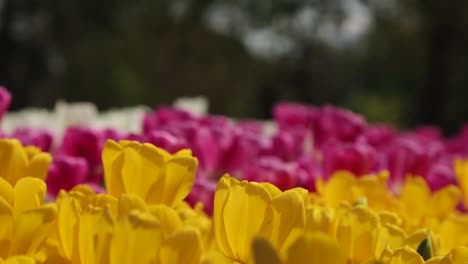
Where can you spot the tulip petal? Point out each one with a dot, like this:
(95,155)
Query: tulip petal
(288,215)
(453,227)
(112,161)
(135,239)
(318,219)
(7,192)
(243,215)
(460,255)
(168,218)
(413,197)
(389,236)
(337,188)
(314,248)
(180,176)
(19,260)
(264,252)
(406,255)
(68,211)
(357,233)
(461,173)
(38,165)
(132,174)
(220,199)
(31,228)
(29,194)
(182,247)
(127,203)
(14,160)
(445,200)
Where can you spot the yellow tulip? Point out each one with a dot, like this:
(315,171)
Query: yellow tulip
(148,172)
(414,194)
(96,228)
(461,173)
(182,247)
(18,260)
(315,248)
(375,189)
(18,161)
(337,189)
(406,255)
(24,222)
(357,233)
(243,210)
(239,210)
(453,232)
(308,247)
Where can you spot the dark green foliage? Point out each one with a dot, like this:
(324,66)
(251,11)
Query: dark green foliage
(409,68)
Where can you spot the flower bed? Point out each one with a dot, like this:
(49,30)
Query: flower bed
(315,185)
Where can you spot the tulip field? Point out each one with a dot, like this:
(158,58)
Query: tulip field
(171,185)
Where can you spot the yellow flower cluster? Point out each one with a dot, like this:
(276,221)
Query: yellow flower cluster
(349,220)
(143,218)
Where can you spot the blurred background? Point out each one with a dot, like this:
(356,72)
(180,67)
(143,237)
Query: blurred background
(398,61)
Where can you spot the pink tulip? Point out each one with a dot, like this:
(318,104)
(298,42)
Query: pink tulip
(65,172)
(40,138)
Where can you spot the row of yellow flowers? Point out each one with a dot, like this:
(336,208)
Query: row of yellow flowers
(143,218)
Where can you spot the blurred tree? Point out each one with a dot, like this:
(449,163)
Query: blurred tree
(400,61)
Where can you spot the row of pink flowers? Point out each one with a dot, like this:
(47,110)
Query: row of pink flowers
(309,143)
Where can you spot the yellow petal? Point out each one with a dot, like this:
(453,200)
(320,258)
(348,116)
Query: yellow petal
(415,238)
(135,239)
(461,173)
(357,233)
(86,237)
(374,187)
(29,194)
(183,247)
(68,212)
(179,179)
(6,214)
(127,203)
(13,159)
(406,255)
(390,236)
(19,260)
(460,255)
(287,214)
(303,193)
(414,197)
(182,152)
(453,226)
(168,218)
(315,248)
(390,218)
(318,219)
(216,257)
(445,200)
(337,188)
(6,192)
(6,226)
(271,188)
(112,161)
(434,260)
(220,199)
(263,252)
(31,228)
(142,168)
(39,165)
(243,215)
(104,229)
